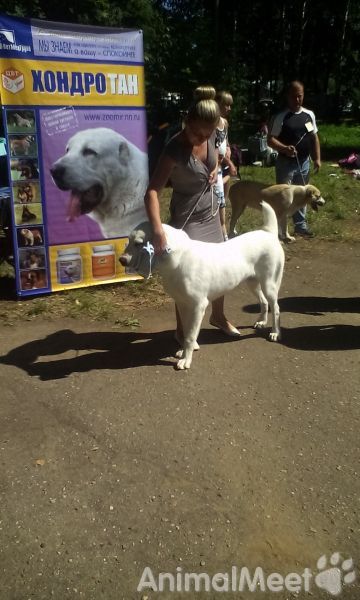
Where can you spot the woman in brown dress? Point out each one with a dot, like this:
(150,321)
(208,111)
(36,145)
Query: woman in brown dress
(189,161)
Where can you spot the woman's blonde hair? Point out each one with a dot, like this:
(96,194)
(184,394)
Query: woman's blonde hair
(224,98)
(204,108)
(204,92)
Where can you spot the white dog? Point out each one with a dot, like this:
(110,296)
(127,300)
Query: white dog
(107,177)
(195,273)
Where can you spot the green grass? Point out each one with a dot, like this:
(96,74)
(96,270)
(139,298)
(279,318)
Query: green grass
(338,141)
(117,303)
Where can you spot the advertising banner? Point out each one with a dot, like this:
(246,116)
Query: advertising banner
(73,107)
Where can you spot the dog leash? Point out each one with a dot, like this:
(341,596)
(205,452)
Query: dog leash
(297,158)
(146,262)
(147,258)
(300,171)
(207,187)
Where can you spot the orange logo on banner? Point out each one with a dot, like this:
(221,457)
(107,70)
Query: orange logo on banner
(13,80)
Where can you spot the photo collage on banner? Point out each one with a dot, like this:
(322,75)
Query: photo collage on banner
(26,195)
(73,106)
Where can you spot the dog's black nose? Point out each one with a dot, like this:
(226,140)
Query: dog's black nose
(57,172)
(123,260)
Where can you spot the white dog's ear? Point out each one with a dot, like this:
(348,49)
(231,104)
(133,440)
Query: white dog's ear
(124,153)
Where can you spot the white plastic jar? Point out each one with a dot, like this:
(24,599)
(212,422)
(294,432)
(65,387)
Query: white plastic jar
(69,265)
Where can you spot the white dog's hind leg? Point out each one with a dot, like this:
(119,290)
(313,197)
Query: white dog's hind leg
(255,287)
(191,318)
(271,291)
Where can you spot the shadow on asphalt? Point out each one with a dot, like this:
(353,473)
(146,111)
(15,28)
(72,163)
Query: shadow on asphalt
(322,338)
(318,337)
(86,352)
(313,305)
(64,352)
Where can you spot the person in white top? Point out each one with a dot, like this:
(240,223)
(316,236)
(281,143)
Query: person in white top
(227,168)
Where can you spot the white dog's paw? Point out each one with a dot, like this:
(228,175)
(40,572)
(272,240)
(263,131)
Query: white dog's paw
(260,324)
(180,353)
(274,337)
(180,341)
(289,239)
(183,363)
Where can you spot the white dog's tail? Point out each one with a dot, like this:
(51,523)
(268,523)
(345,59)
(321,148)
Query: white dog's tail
(270,220)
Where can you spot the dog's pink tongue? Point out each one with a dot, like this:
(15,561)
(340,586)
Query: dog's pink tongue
(74,208)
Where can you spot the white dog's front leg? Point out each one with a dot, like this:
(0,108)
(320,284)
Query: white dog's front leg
(191,318)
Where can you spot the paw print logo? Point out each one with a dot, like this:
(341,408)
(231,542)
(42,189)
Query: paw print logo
(336,574)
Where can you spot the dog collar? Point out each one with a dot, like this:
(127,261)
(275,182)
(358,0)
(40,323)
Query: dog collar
(147,260)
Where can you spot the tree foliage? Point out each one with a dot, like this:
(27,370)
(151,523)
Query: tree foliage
(249,48)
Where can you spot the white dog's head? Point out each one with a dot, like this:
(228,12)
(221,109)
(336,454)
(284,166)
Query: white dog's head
(133,254)
(136,255)
(314,197)
(96,160)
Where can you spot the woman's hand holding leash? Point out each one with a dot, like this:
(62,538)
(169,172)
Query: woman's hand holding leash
(213,176)
(232,169)
(159,242)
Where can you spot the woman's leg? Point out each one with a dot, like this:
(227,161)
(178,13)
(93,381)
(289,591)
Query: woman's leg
(222,211)
(218,319)
(222,214)
(226,179)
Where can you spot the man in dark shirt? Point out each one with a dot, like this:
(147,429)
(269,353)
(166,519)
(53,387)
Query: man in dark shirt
(293,134)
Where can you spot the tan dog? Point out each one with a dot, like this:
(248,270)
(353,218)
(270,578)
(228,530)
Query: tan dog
(20,146)
(25,193)
(31,236)
(284,199)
